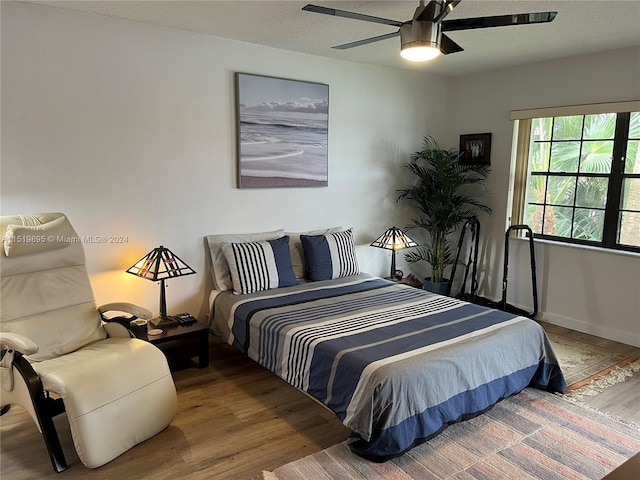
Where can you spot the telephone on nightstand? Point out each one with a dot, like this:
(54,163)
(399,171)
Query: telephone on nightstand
(173,320)
(185,318)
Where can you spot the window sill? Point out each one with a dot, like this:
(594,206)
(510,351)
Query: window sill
(581,247)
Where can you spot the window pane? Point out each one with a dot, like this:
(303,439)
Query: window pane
(632,163)
(634,126)
(539,156)
(567,128)
(629,229)
(592,192)
(541,128)
(564,157)
(537,188)
(571,167)
(534,217)
(596,157)
(588,224)
(561,190)
(599,126)
(557,221)
(631,194)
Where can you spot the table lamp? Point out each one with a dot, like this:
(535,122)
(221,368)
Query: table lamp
(161,264)
(393,239)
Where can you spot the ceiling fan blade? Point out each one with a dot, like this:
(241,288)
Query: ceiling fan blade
(366,41)
(498,21)
(352,15)
(448,46)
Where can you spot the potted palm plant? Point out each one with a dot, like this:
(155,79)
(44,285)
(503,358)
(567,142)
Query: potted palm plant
(443,194)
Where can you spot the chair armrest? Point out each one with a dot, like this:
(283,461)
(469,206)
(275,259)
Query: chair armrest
(124,327)
(135,310)
(18,342)
(118,328)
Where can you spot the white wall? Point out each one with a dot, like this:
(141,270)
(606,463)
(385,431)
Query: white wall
(130,130)
(589,290)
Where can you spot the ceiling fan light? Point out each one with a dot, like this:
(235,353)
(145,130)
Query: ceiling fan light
(420,40)
(419,53)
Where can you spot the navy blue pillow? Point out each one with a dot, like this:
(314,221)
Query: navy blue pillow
(330,256)
(280,247)
(317,257)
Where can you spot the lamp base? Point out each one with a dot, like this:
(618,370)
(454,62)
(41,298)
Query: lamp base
(394,278)
(164,321)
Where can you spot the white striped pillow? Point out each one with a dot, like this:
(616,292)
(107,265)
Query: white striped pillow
(257,266)
(330,256)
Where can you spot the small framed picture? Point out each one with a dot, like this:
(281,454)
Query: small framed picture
(475,148)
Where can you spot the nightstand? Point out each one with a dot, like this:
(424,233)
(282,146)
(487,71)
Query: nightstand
(181,343)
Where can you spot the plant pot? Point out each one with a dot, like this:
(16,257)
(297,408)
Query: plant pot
(435,287)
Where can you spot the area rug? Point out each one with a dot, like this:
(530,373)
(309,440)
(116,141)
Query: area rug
(583,363)
(532,435)
(596,385)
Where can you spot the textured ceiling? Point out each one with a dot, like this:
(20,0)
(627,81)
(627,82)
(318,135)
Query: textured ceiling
(582,26)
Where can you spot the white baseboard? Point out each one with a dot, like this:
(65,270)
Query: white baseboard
(615,334)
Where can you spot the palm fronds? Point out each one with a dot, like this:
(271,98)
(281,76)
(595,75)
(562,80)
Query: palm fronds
(444,194)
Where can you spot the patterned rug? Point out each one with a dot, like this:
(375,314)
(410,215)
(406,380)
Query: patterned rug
(583,363)
(532,435)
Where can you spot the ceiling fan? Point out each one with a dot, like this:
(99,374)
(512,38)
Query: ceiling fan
(422,38)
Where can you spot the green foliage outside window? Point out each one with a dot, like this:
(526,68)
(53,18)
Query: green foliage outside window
(570,176)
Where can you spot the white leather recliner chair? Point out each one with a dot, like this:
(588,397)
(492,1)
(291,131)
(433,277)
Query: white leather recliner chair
(59,354)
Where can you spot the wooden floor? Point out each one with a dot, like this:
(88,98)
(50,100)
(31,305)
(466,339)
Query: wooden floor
(235,419)
(623,399)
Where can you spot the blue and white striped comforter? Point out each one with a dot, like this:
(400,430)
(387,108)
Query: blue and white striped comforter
(396,364)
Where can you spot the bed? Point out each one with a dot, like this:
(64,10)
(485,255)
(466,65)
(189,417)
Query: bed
(396,364)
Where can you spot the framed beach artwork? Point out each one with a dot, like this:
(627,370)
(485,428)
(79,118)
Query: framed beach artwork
(282,132)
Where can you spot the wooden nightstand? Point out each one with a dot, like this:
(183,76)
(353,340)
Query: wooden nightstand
(629,470)
(181,343)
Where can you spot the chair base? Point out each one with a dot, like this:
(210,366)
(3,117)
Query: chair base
(45,409)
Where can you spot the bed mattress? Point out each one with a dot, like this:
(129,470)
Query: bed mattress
(396,364)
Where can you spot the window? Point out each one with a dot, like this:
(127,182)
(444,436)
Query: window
(582,178)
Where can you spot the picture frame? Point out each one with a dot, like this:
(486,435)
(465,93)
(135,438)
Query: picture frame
(282,132)
(475,149)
